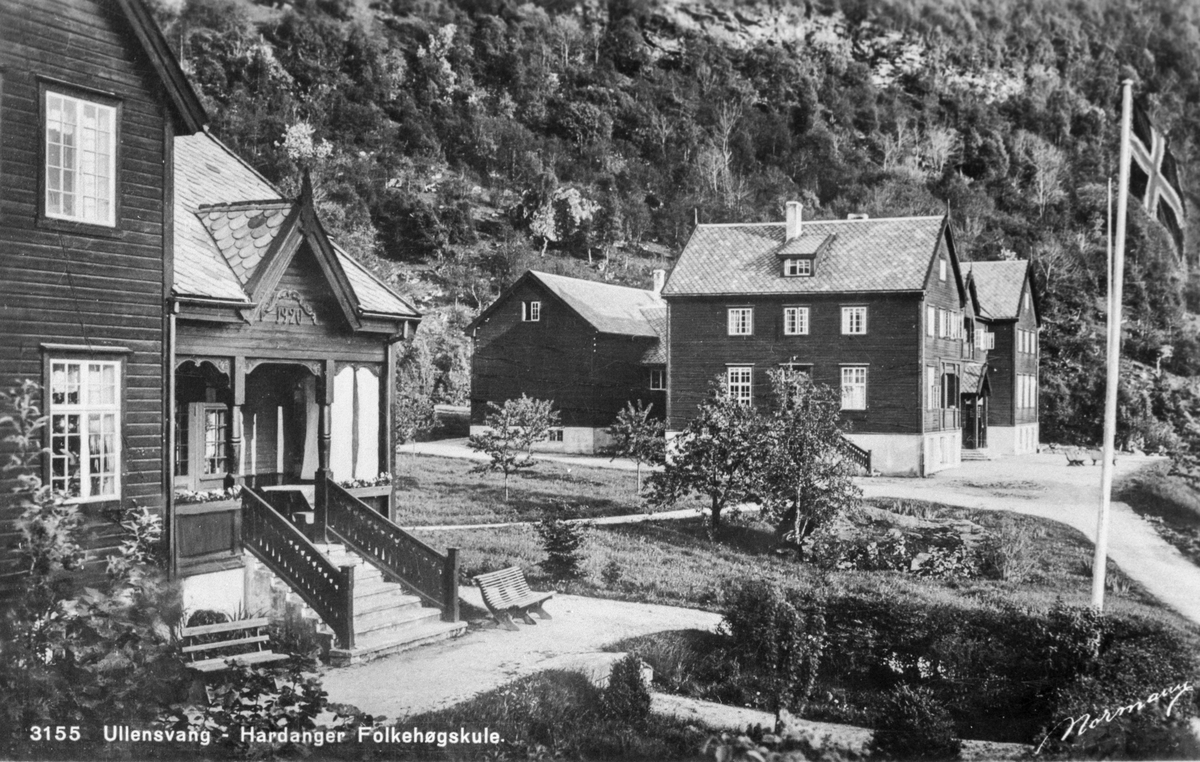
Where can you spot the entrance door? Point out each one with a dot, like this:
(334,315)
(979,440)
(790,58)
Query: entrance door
(201,445)
(970,422)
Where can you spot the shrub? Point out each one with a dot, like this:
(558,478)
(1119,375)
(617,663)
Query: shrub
(626,698)
(612,573)
(914,725)
(1009,554)
(780,636)
(561,541)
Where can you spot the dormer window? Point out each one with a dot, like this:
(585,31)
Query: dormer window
(795,267)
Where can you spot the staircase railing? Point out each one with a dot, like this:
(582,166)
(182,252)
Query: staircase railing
(857,455)
(275,541)
(433,575)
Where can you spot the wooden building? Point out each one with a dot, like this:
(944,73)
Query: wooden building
(283,352)
(90,103)
(876,307)
(589,347)
(1008,306)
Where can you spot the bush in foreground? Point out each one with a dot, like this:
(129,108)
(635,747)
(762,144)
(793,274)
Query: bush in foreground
(914,725)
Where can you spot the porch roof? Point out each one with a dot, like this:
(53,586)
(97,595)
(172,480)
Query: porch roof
(228,216)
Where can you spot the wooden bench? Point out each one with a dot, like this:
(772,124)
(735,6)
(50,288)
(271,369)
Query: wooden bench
(506,593)
(1098,455)
(1074,457)
(245,639)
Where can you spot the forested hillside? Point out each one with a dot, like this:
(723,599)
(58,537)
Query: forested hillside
(453,144)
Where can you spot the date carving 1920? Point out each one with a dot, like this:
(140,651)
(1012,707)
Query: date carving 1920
(287,307)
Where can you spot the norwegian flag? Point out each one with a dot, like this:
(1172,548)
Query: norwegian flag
(1154,176)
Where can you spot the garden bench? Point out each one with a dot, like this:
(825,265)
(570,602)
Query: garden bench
(506,593)
(1098,455)
(245,639)
(1074,457)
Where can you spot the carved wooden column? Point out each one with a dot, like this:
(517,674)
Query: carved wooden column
(324,440)
(237,383)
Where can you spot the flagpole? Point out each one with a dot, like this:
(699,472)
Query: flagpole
(1116,284)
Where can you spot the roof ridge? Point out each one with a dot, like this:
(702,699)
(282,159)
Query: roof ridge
(249,204)
(922,218)
(539,273)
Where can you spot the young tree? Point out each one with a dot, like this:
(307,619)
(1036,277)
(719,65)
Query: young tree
(805,480)
(511,431)
(638,437)
(415,415)
(719,454)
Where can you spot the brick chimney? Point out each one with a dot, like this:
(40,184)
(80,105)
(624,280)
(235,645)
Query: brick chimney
(794,209)
(660,280)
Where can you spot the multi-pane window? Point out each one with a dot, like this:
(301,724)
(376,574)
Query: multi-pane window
(216,428)
(741,321)
(931,314)
(854,320)
(931,388)
(531,312)
(554,435)
(797,267)
(738,379)
(85,417)
(795,321)
(80,160)
(1026,390)
(658,379)
(854,387)
(950,388)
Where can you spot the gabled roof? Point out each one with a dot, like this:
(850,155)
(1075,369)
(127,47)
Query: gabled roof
(608,308)
(235,234)
(187,105)
(657,354)
(975,379)
(884,255)
(999,285)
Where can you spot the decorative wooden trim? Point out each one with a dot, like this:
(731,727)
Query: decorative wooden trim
(219,363)
(300,312)
(86,349)
(315,367)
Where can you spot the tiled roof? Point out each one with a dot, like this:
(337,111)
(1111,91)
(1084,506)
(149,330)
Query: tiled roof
(973,377)
(244,232)
(608,308)
(373,296)
(858,255)
(226,217)
(657,354)
(999,286)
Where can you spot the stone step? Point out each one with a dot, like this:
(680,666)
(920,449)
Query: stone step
(393,597)
(393,619)
(387,642)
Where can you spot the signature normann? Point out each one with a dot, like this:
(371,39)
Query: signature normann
(1085,722)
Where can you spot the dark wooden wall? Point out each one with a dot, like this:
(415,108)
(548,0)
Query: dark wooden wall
(63,286)
(940,351)
(589,376)
(701,349)
(1007,361)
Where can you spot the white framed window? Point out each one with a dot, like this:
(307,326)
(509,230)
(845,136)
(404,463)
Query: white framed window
(531,312)
(980,338)
(942,268)
(990,342)
(85,428)
(854,321)
(793,268)
(1033,342)
(741,321)
(795,321)
(931,387)
(658,380)
(554,435)
(80,160)
(854,387)
(931,321)
(739,380)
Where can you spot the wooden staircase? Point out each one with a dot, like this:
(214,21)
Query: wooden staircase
(388,617)
(377,589)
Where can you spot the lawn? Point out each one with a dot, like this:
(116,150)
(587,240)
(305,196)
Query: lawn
(432,490)
(881,624)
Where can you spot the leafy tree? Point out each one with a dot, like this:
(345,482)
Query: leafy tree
(719,455)
(805,480)
(638,437)
(511,430)
(415,415)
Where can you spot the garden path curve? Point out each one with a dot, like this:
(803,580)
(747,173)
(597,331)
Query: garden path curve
(1043,485)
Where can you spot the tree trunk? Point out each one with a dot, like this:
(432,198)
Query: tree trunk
(715,517)
(639,477)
